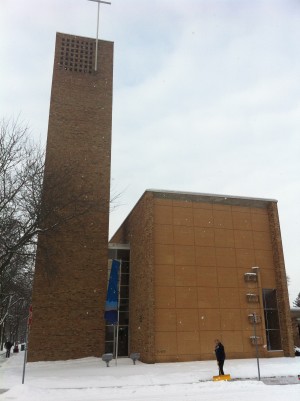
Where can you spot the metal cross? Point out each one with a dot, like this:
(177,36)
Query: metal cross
(96,54)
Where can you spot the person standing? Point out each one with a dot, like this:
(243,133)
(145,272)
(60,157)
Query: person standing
(8,346)
(220,355)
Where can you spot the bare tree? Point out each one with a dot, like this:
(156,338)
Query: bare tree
(31,206)
(26,211)
(15,300)
(21,177)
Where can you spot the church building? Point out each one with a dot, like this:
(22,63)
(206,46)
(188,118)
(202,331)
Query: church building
(194,267)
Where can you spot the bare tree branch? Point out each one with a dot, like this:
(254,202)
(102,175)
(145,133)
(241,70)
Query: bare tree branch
(31,207)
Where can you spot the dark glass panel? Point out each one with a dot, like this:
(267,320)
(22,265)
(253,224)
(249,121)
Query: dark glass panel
(123,318)
(274,340)
(125,267)
(272,319)
(124,279)
(124,305)
(123,254)
(123,341)
(124,291)
(270,300)
(109,333)
(109,347)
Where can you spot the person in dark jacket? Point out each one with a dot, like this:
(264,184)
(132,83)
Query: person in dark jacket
(8,346)
(220,355)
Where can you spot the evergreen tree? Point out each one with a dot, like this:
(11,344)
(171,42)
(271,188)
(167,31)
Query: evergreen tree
(297,301)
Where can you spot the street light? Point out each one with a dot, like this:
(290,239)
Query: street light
(255,320)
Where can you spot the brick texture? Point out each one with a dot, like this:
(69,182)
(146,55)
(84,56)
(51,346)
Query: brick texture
(137,230)
(189,256)
(71,268)
(281,283)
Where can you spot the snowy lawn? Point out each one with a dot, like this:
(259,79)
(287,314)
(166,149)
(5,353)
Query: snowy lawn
(90,380)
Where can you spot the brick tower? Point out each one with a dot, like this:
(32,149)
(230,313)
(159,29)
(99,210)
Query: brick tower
(71,268)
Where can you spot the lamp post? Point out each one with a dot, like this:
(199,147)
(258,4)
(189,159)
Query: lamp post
(256,270)
(29,321)
(254,316)
(118,322)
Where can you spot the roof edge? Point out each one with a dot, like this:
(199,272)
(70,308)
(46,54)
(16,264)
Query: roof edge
(218,197)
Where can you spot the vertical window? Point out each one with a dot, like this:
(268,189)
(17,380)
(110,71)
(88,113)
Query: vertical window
(271,320)
(124,256)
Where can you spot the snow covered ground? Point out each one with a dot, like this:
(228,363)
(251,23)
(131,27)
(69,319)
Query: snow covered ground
(90,380)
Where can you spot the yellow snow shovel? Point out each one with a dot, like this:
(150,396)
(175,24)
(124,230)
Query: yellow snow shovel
(221,377)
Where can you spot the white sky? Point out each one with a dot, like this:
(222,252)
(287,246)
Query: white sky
(89,379)
(206,94)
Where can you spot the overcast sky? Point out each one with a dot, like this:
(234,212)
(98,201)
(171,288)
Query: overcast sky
(206,95)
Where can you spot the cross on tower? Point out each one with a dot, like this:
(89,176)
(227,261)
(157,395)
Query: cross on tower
(96,54)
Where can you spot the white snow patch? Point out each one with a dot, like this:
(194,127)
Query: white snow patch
(89,379)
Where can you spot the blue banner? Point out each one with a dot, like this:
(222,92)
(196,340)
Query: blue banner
(112,299)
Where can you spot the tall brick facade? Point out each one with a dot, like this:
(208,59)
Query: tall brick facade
(137,230)
(281,282)
(192,260)
(71,268)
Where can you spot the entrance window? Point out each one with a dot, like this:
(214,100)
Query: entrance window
(272,320)
(121,253)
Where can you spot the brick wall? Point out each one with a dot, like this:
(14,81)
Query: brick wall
(202,251)
(189,255)
(281,283)
(137,230)
(71,269)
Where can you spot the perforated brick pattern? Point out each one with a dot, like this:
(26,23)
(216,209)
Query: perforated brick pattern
(76,55)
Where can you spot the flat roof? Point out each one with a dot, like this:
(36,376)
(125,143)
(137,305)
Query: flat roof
(214,198)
